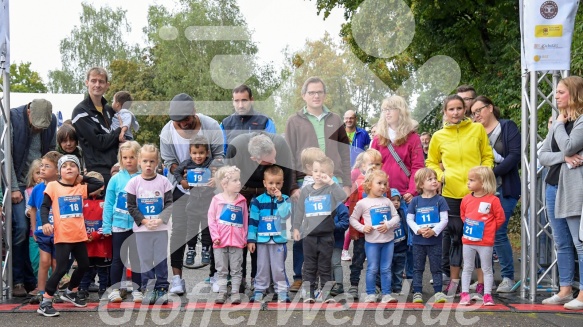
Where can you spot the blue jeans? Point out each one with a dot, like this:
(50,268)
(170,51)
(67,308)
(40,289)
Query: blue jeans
(380,257)
(562,239)
(22,272)
(298,259)
(501,243)
(573,223)
(397,268)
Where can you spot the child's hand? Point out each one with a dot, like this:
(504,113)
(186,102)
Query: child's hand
(368,229)
(296,235)
(48,229)
(382,228)
(184,184)
(327,179)
(251,247)
(429,233)
(211,183)
(217,242)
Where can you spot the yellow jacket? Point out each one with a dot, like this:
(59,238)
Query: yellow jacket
(458,147)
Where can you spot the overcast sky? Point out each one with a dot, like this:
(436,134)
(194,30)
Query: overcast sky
(37,26)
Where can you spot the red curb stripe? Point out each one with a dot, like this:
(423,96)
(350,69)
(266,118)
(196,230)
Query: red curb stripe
(140,306)
(541,308)
(8,307)
(60,307)
(478,306)
(310,306)
(226,306)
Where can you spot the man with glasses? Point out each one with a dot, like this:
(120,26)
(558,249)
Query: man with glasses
(316,126)
(359,138)
(468,94)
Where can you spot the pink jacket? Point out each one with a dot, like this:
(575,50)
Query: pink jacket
(228,234)
(411,153)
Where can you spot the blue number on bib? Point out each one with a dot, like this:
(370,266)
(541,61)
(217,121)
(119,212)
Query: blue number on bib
(151,208)
(400,233)
(318,205)
(232,216)
(269,226)
(198,177)
(426,217)
(473,230)
(379,216)
(121,204)
(71,206)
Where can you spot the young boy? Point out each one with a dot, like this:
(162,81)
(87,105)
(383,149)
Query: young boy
(400,240)
(99,248)
(267,235)
(315,217)
(65,198)
(45,243)
(199,170)
(123,117)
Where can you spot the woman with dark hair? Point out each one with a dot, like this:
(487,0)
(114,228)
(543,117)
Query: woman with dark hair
(504,138)
(454,149)
(561,152)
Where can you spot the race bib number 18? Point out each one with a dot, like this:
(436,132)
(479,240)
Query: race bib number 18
(71,206)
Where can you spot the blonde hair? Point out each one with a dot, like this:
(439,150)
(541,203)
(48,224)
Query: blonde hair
(150,148)
(129,145)
(486,176)
(34,166)
(421,176)
(574,85)
(326,162)
(405,124)
(95,174)
(358,161)
(373,155)
(309,155)
(370,176)
(224,174)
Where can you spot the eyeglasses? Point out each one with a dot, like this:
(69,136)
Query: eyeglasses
(478,111)
(312,93)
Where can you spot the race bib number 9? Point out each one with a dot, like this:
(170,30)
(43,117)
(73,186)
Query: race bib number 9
(427,217)
(269,226)
(232,215)
(473,230)
(198,177)
(318,205)
(379,216)
(151,208)
(121,204)
(71,206)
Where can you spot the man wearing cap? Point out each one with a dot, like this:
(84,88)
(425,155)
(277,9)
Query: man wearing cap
(34,130)
(175,148)
(92,121)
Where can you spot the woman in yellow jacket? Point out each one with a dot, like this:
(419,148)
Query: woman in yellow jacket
(457,147)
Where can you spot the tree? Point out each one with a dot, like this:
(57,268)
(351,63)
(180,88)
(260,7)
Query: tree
(23,79)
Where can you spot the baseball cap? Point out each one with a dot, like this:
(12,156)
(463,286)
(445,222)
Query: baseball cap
(181,107)
(395,192)
(67,158)
(41,112)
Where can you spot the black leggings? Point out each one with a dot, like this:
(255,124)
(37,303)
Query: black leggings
(62,253)
(453,249)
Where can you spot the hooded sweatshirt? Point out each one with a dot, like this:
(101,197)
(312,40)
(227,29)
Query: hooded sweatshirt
(228,221)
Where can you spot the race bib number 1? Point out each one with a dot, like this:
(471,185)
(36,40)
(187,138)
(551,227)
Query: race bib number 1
(121,204)
(71,206)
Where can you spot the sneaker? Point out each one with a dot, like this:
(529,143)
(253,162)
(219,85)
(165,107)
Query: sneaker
(162,296)
(506,286)
(123,293)
(93,287)
(189,261)
(337,289)
(439,297)
(57,298)
(150,297)
(488,300)
(474,286)
(309,299)
(418,297)
(257,297)
(556,299)
(235,298)
(75,299)
(37,299)
(19,291)
(478,296)
(84,294)
(221,298)
(137,296)
(64,282)
(465,298)
(283,298)
(575,304)
(177,285)
(353,291)
(345,256)
(387,298)
(34,292)
(495,257)
(46,309)
(114,296)
(207,280)
(297,284)
(452,289)
(445,279)
(205,257)
(370,298)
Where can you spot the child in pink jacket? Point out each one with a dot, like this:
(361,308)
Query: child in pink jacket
(227,220)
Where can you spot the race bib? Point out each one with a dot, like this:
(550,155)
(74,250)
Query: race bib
(473,230)
(232,215)
(318,205)
(51,219)
(121,204)
(198,177)
(71,206)
(379,216)
(93,226)
(151,208)
(426,217)
(269,226)
(400,233)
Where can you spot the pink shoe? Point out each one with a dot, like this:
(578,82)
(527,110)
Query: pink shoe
(465,298)
(488,300)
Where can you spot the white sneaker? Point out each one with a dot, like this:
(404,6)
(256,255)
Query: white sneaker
(137,296)
(506,286)
(387,298)
(473,286)
(370,298)
(345,256)
(114,296)
(177,285)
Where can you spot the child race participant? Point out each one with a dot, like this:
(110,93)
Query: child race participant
(123,117)
(32,178)
(400,250)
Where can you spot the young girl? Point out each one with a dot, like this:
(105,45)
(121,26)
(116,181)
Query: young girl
(68,143)
(32,179)
(227,219)
(378,231)
(65,198)
(482,215)
(149,202)
(427,218)
(354,174)
(118,223)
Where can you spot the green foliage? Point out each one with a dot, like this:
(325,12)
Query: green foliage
(24,80)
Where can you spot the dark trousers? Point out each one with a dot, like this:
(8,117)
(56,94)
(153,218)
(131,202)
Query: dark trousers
(358,256)
(420,253)
(89,277)
(62,253)
(455,228)
(124,245)
(318,260)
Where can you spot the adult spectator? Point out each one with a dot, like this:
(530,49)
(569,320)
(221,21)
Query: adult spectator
(175,138)
(92,121)
(504,138)
(252,153)
(468,94)
(245,119)
(452,166)
(33,133)
(425,139)
(316,126)
(359,139)
(561,152)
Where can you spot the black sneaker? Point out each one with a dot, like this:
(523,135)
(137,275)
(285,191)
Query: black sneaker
(46,309)
(161,296)
(84,294)
(93,287)
(75,299)
(190,257)
(57,297)
(205,257)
